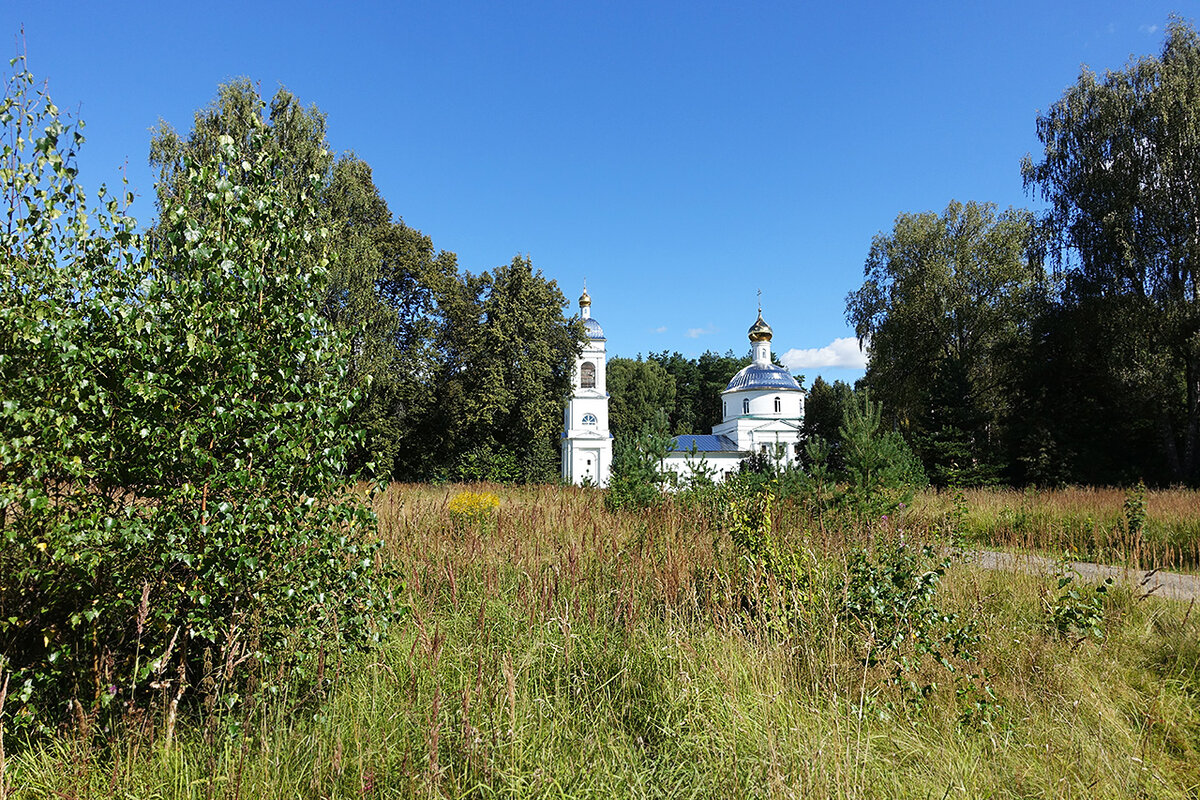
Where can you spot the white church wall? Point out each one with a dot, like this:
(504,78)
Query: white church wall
(762,404)
(722,464)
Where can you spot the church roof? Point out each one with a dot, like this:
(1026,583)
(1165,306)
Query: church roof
(704,444)
(763,376)
(592,328)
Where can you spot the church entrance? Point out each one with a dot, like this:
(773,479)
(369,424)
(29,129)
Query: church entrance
(589,466)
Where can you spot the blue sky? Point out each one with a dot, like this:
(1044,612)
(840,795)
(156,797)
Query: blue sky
(679,156)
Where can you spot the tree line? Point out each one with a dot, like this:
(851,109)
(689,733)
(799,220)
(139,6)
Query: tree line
(1061,346)
(1009,346)
(462,375)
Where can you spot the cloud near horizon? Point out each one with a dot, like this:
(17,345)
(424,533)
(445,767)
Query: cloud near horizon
(843,352)
(695,333)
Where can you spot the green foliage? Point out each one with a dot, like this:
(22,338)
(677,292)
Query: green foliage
(698,386)
(384,277)
(772,583)
(880,469)
(890,603)
(1078,610)
(504,377)
(176,516)
(1118,172)
(1134,509)
(637,390)
(945,306)
(820,487)
(824,407)
(637,480)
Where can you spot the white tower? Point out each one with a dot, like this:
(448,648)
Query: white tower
(586,442)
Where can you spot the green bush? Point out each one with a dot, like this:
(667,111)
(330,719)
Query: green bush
(881,471)
(177,524)
(638,480)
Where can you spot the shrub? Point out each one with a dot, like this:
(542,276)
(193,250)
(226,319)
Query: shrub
(890,601)
(637,480)
(1078,610)
(176,517)
(770,581)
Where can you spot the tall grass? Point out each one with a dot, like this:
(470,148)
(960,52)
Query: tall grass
(559,651)
(1089,522)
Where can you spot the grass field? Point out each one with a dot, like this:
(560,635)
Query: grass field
(1089,522)
(554,650)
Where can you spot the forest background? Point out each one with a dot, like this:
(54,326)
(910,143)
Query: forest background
(1006,347)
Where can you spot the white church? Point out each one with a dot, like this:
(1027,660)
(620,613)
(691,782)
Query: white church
(762,411)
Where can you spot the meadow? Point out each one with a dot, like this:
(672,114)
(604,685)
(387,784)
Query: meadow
(1092,523)
(552,649)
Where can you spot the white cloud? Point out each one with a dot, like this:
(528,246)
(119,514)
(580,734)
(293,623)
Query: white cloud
(842,352)
(1149,28)
(695,333)
(659,329)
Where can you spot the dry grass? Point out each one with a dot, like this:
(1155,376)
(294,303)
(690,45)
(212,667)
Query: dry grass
(564,652)
(1088,522)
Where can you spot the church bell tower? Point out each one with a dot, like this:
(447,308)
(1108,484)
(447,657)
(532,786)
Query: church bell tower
(586,442)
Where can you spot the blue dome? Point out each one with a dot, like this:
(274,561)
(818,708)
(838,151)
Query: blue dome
(757,376)
(593,329)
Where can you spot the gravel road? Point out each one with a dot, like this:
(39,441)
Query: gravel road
(1156,583)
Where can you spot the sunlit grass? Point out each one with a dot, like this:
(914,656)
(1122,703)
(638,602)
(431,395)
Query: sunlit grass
(1088,522)
(564,652)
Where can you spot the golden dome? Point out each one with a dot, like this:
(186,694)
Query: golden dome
(760,331)
(585,299)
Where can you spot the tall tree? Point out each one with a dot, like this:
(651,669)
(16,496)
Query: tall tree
(1121,171)
(637,390)
(383,289)
(508,354)
(384,276)
(944,309)
(698,386)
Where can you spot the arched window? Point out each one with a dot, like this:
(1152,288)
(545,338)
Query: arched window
(589,419)
(724,409)
(778,405)
(587,375)
(745,405)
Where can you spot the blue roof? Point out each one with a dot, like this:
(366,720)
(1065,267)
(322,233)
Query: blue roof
(704,444)
(592,328)
(757,376)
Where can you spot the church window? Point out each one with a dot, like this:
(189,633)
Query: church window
(587,375)
(724,409)
(778,405)
(589,419)
(745,405)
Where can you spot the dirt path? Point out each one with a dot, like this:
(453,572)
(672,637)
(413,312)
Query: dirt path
(1169,585)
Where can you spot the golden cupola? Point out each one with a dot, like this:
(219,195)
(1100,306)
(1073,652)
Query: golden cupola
(760,331)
